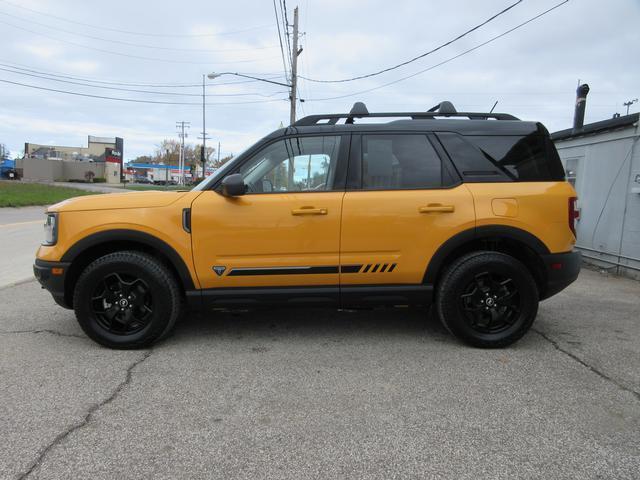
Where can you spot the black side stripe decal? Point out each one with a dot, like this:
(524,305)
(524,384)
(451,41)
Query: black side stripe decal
(312,270)
(239,272)
(350,268)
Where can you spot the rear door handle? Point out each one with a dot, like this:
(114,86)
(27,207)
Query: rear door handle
(309,211)
(437,208)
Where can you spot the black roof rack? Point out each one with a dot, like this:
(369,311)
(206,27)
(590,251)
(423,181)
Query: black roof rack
(359,110)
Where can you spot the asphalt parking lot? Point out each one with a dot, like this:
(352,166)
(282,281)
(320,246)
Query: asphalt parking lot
(317,393)
(323,394)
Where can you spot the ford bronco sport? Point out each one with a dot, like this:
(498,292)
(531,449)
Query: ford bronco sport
(468,212)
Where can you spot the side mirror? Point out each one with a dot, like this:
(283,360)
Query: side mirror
(233,185)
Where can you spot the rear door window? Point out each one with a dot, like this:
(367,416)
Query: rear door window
(401,161)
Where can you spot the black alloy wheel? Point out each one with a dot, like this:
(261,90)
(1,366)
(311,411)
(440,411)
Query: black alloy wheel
(122,304)
(491,302)
(487,299)
(127,299)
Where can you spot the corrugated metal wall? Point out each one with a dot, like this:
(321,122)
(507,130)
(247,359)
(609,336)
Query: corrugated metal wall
(607,178)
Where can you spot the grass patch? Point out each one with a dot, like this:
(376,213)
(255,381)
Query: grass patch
(15,194)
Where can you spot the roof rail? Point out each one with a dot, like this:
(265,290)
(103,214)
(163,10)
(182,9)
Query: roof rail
(359,110)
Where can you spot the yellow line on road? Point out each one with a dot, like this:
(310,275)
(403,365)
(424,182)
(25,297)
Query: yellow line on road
(21,223)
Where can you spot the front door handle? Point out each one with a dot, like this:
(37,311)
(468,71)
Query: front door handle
(437,208)
(309,211)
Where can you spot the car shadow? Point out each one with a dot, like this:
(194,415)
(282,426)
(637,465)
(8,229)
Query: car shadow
(310,322)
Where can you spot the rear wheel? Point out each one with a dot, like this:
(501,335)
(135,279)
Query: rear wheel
(487,299)
(127,300)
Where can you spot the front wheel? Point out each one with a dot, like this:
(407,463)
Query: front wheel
(126,300)
(487,299)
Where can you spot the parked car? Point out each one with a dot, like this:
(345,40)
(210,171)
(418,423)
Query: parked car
(143,180)
(8,169)
(468,212)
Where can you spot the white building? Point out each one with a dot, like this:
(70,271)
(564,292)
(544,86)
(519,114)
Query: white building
(602,160)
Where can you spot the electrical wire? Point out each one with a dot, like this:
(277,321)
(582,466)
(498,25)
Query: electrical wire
(285,26)
(394,67)
(129,32)
(284,62)
(126,84)
(134,100)
(138,57)
(140,91)
(137,45)
(444,61)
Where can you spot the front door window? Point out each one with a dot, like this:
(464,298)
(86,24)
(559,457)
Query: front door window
(293,165)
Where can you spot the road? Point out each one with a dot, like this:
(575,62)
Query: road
(300,394)
(21,231)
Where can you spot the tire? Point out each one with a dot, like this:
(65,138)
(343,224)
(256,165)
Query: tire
(487,299)
(127,300)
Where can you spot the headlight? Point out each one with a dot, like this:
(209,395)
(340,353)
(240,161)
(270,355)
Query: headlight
(50,229)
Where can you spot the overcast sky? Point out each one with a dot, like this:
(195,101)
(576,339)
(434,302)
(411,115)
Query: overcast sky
(532,72)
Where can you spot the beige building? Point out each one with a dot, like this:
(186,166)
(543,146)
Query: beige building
(95,150)
(101,158)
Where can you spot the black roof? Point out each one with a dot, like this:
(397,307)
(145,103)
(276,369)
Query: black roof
(463,127)
(597,127)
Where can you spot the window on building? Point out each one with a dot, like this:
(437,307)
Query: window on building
(572,170)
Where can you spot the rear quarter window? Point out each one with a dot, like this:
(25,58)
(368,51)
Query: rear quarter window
(499,158)
(529,158)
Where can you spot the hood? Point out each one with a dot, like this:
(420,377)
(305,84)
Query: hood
(111,201)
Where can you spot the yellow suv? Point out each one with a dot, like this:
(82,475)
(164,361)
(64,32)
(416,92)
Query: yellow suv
(469,212)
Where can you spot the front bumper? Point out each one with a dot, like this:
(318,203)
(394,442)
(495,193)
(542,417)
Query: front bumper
(51,279)
(562,269)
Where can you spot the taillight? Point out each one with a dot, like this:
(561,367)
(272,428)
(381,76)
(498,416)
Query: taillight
(574,214)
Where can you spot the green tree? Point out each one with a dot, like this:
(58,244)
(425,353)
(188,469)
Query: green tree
(167,152)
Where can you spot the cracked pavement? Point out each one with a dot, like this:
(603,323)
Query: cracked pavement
(324,394)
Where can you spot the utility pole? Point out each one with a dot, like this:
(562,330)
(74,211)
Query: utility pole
(182,134)
(218,154)
(294,67)
(203,147)
(629,103)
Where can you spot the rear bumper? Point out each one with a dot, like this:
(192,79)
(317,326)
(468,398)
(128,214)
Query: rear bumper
(561,270)
(54,283)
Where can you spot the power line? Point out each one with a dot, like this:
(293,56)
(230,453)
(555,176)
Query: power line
(284,62)
(139,57)
(394,67)
(133,99)
(125,84)
(444,61)
(285,27)
(136,90)
(129,32)
(284,7)
(138,45)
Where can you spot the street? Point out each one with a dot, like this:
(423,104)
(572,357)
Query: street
(319,393)
(20,236)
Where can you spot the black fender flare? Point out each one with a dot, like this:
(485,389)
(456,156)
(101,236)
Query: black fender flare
(478,233)
(133,236)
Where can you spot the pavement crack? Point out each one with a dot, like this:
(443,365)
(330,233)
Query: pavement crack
(574,357)
(44,330)
(17,283)
(61,437)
